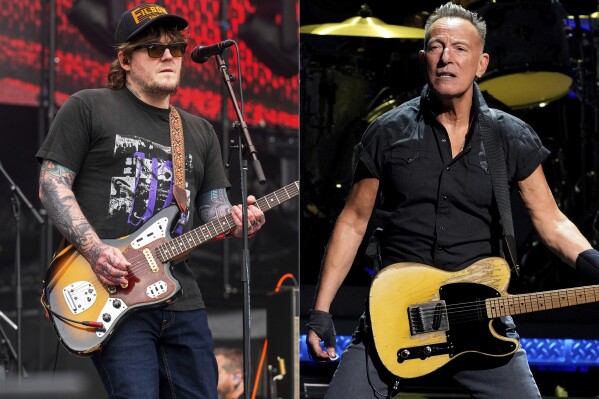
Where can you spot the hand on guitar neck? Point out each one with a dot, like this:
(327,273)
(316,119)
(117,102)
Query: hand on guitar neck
(255,218)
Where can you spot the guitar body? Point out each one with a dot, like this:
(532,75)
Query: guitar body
(423,317)
(72,289)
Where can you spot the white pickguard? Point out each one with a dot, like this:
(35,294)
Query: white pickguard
(152,233)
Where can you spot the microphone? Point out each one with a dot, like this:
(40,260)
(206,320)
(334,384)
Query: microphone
(201,54)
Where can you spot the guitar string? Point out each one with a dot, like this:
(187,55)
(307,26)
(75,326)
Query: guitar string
(470,311)
(515,308)
(140,268)
(580,293)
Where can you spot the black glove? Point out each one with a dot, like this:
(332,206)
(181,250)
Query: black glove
(322,324)
(588,263)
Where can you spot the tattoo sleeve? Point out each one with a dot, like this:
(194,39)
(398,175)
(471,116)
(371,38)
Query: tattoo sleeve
(56,194)
(213,204)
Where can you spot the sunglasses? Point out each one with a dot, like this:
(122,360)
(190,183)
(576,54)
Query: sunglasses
(156,50)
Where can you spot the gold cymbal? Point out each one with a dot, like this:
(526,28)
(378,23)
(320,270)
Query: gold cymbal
(365,27)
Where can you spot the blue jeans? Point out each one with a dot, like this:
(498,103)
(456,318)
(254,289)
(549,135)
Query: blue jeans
(160,354)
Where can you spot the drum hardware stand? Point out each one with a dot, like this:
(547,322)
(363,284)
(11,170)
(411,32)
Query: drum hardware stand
(18,197)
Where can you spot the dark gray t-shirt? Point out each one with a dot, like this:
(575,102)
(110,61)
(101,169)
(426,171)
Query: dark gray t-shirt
(119,148)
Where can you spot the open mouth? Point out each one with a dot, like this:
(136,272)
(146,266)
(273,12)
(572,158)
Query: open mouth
(445,75)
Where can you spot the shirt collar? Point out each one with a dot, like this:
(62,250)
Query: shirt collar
(427,98)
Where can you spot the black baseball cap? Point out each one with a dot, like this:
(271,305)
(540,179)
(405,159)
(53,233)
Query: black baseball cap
(137,19)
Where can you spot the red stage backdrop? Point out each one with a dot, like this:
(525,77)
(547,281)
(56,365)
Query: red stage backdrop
(271,99)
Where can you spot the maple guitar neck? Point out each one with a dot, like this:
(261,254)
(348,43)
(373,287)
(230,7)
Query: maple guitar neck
(538,301)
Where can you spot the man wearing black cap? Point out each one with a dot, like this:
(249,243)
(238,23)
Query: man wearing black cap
(108,167)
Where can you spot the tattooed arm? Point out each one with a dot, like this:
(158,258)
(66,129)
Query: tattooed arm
(215,203)
(56,194)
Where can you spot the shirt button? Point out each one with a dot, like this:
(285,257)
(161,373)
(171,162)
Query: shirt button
(444,197)
(442,228)
(440,248)
(447,168)
(443,140)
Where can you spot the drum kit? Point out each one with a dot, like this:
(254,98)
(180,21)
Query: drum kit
(530,64)
(538,55)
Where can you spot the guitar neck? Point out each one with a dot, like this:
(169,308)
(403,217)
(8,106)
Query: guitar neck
(534,302)
(198,236)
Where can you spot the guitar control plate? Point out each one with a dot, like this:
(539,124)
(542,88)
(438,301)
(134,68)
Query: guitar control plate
(109,314)
(423,352)
(80,296)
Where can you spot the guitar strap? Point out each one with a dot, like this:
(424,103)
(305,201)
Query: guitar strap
(497,168)
(178,155)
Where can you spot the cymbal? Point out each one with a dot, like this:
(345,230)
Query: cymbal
(365,27)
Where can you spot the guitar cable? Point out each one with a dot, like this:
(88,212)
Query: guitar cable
(87,323)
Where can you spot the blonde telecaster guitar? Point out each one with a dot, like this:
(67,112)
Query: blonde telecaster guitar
(423,317)
(85,312)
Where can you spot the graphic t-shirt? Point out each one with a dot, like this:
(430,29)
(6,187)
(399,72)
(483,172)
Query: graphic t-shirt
(119,148)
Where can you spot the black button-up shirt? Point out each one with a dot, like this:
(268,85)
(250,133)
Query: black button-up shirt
(436,209)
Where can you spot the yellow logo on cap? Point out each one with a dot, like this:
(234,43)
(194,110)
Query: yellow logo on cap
(144,12)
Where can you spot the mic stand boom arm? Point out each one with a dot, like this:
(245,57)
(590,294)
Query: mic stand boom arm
(249,146)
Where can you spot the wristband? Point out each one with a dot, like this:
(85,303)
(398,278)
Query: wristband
(588,263)
(322,324)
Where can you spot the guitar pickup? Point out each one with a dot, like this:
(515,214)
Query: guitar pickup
(151,261)
(428,317)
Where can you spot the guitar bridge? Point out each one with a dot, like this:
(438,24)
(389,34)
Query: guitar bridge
(79,296)
(428,317)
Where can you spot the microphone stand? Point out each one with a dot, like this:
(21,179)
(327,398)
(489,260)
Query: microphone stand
(5,342)
(17,197)
(247,148)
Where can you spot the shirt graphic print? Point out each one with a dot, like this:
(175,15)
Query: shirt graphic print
(146,184)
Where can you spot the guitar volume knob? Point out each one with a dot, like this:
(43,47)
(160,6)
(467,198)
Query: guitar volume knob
(106,317)
(404,354)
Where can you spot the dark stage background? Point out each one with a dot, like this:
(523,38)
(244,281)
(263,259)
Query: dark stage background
(346,82)
(266,33)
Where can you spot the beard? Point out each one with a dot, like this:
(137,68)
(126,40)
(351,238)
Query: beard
(154,88)
(157,89)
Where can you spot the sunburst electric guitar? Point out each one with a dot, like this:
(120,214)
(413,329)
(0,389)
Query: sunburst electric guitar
(423,317)
(86,312)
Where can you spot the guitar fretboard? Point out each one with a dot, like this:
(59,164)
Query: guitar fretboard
(534,302)
(188,241)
